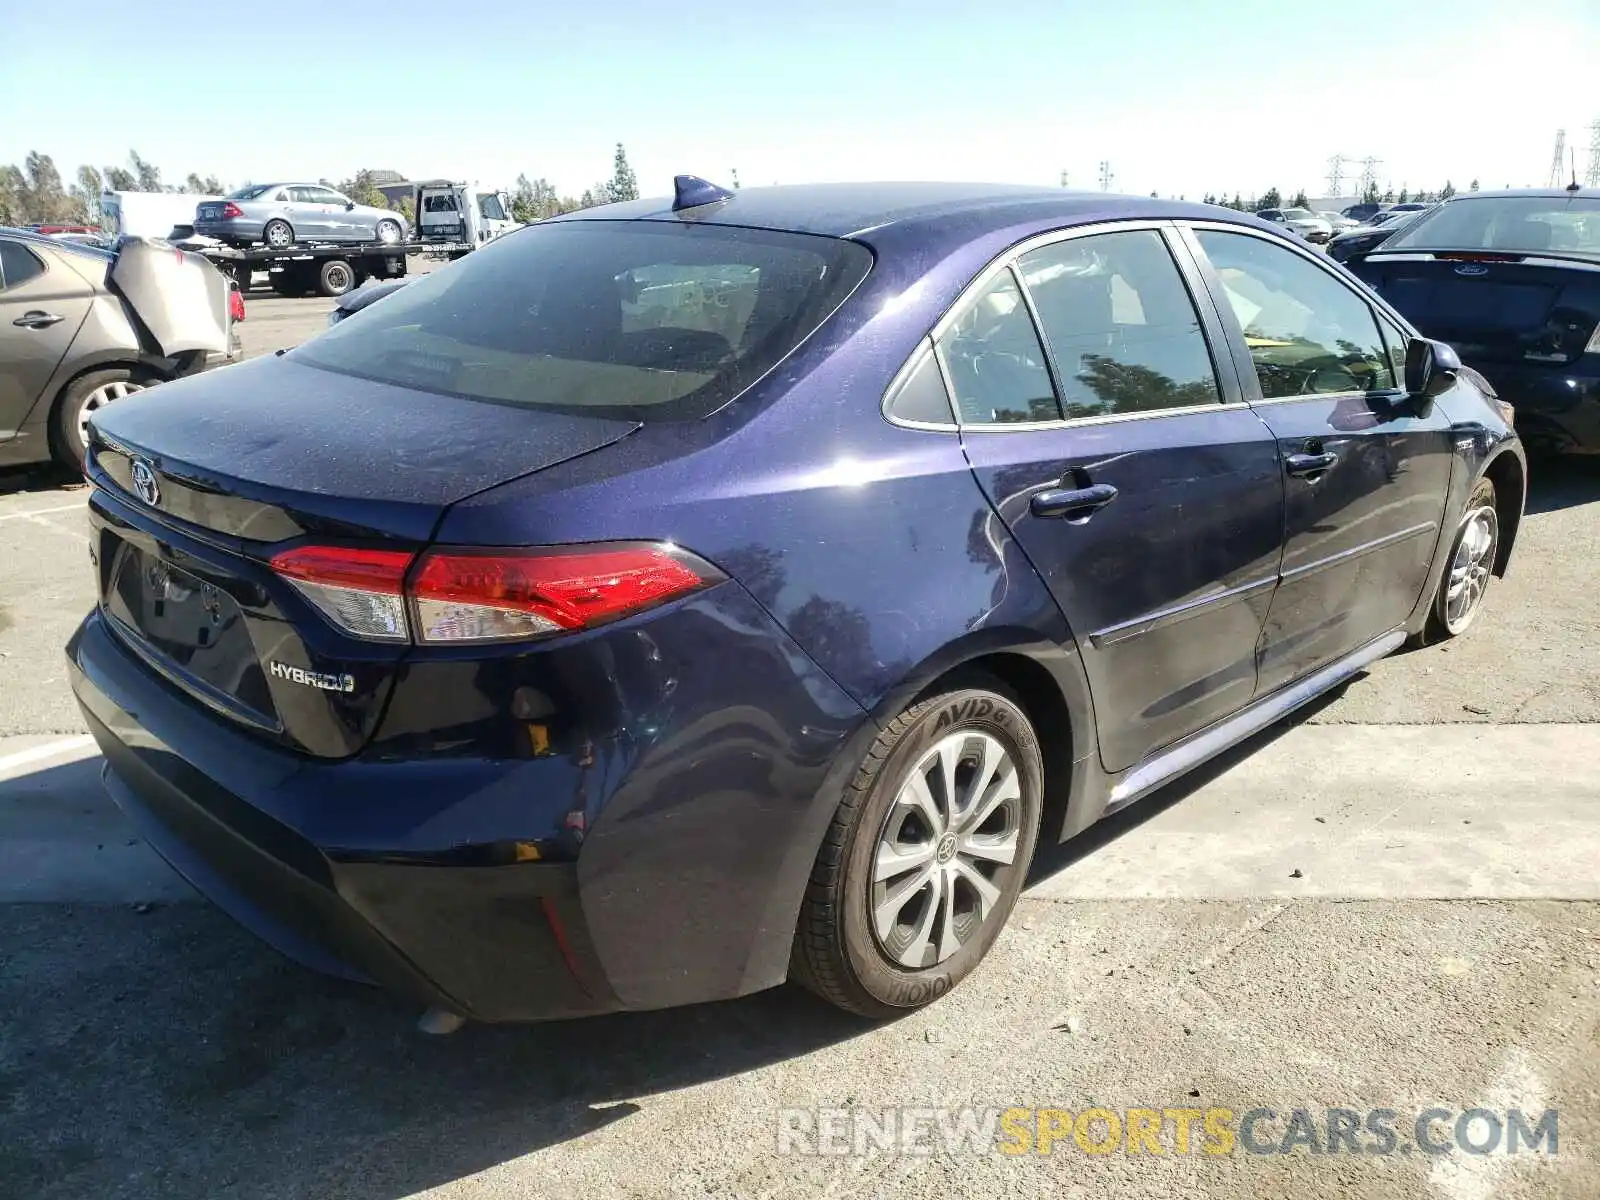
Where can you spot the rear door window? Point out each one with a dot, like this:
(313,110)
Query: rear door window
(1121,325)
(17,265)
(1307,332)
(996,365)
(640,320)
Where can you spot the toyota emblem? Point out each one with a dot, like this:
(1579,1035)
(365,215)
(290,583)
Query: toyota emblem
(144,481)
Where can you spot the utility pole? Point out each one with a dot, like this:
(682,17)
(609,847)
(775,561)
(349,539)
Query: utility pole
(1063,179)
(1335,176)
(1558,160)
(1369,175)
(1592,179)
(1105,175)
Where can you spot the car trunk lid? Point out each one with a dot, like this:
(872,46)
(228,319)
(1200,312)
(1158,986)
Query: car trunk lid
(201,481)
(179,300)
(1494,307)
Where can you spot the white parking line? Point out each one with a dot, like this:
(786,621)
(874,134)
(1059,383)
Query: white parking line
(39,512)
(48,750)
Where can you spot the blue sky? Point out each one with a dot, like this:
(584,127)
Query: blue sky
(1255,94)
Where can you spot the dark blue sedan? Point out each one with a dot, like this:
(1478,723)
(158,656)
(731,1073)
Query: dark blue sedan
(1512,281)
(688,595)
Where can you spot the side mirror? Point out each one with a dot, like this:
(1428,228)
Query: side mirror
(1430,366)
(349,205)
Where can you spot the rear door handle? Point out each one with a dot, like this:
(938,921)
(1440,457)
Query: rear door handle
(36,320)
(1072,503)
(1309,464)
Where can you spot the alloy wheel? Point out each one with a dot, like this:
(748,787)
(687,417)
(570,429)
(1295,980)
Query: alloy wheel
(956,821)
(1470,568)
(98,399)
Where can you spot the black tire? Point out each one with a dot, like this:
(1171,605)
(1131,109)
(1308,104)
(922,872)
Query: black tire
(335,277)
(838,952)
(389,232)
(66,440)
(1441,624)
(279,229)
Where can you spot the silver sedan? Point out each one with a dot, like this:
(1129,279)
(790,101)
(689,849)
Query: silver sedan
(283,214)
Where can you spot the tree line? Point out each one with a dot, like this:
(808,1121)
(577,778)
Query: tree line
(1273,198)
(35,192)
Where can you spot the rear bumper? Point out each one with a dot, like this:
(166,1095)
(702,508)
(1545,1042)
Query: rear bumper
(237,230)
(1556,409)
(493,942)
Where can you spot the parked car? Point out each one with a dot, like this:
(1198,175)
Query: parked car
(82,326)
(1512,280)
(1363,239)
(354,301)
(282,214)
(1363,212)
(1338,223)
(1301,221)
(744,583)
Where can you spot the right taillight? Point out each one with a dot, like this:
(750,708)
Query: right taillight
(461,595)
(231,210)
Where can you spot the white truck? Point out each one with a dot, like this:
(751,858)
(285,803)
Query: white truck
(461,215)
(149,214)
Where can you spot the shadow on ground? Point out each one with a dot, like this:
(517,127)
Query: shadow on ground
(1557,483)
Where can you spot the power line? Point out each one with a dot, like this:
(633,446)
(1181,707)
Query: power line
(1369,175)
(1558,161)
(1336,174)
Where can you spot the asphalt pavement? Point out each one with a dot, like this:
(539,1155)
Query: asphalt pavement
(1391,901)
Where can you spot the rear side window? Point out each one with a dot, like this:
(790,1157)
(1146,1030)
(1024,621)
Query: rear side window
(17,265)
(637,320)
(1307,332)
(996,365)
(1121,325)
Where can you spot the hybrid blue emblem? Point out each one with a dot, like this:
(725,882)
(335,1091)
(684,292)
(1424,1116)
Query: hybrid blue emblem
(1472,269)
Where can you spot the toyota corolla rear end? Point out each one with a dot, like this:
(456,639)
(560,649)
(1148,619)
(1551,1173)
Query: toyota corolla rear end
(1512,281)
(491,773)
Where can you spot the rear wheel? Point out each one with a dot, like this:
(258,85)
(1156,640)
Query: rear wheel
(1459,596)
(80,400)
(278,234)
(336,277)
(925,856)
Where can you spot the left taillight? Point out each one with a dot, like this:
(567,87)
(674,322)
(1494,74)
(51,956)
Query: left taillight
(231,211)
(463,595)
(235,303)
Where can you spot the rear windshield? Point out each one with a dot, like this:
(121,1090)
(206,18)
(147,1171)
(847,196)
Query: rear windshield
(636,320)
(1520,224)
(1297,214)
(251,191)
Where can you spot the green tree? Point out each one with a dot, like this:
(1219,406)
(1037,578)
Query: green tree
(43,197)
(1300,200)
(363,189)
(1473,186)
(594,196)
(13,184)
(1404,195)
(1388,196)
(407,208)
(119,179)
(1237,204)
(1448,190)
(534,200)
(624,183)
(1271,198)
(86,193)
(147,174)
(209,186)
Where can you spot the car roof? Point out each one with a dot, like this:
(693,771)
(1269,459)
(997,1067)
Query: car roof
(1587,193)
(953,213)
(44,239)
